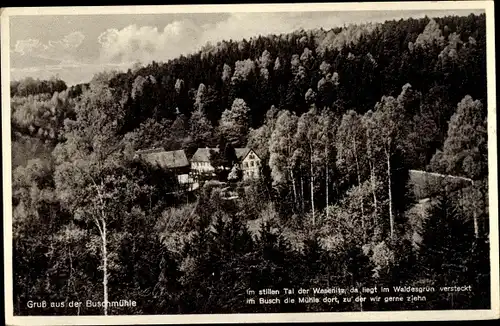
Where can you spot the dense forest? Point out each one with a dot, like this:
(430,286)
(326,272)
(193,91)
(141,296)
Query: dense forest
(340,119)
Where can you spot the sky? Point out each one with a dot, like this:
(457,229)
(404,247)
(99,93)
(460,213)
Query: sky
(75,47)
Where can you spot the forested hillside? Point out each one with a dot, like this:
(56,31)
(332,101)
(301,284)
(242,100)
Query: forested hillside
(339,117)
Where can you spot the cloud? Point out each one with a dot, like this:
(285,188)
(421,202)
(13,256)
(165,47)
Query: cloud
(70,41)
(63,49)
(147,43)
(28,46)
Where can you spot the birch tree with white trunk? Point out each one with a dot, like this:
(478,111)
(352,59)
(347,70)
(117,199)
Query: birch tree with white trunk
(328,127)
(389,120)
(90,148)
(308,142)
(281,150)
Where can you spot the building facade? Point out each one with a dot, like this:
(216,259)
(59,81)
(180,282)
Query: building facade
(250,164)
(200,162)
(247,161)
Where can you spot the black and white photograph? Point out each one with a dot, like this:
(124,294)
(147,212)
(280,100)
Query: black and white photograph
(250,160)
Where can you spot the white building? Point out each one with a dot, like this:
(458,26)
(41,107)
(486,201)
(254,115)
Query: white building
(248,162)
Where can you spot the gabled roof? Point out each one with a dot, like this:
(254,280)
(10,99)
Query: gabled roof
(258,153)
(203,154)
(165,159)
(241,153)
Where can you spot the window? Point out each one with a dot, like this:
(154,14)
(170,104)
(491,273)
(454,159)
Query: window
(245,164)
(251,163)
(251,156)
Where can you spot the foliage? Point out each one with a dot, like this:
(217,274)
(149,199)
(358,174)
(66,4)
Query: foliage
(234,123)
(465,149)
(30,86)
(338,118)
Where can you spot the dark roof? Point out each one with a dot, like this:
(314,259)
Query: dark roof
(165,159)
(259,153)
(242,152)
(203,154)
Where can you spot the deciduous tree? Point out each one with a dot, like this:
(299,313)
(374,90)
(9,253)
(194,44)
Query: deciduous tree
(281,150)
(234,123)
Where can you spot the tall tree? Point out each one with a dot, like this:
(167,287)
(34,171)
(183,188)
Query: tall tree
(234,123)
(389,119)
(201,94)
(350,144)
(259,139)
(371,153)
(226,73)
(201,130)
(91,147)
(465,149)
(328,127)
(351,149)
(308,141)
(179,127)
(281,149)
